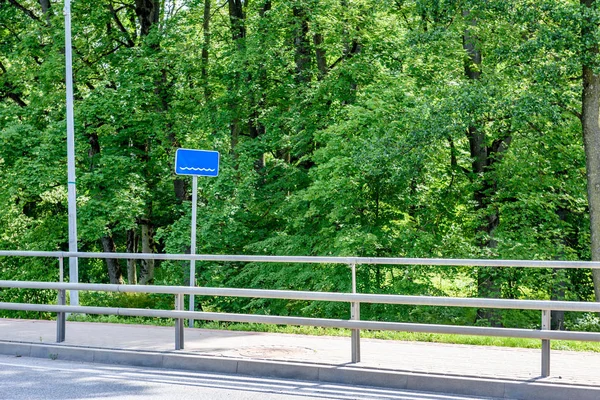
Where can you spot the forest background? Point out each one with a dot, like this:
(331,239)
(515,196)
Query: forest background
(406,128)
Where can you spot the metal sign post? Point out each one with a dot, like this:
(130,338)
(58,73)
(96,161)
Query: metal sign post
(193,244)
(72,196)
(195,163)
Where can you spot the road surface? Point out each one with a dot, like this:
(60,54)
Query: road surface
(34,378)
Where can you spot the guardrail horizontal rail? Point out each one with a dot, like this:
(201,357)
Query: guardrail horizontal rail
(321,322)
(318,296)
(315,259)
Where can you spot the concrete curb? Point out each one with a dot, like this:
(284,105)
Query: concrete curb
(462,385)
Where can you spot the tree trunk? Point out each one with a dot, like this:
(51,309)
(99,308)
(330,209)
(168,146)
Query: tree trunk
(94,149)
(132,245)
(45,4)
(266,7)
(238,33)
(205,48)
(115,273)
(237,18)
(559,277)
(487,282)
(351,48)
(590,112)
(250,127)
(148,13)
(320,55)
(147,267)
(112,264)
(302,45)
(558,293)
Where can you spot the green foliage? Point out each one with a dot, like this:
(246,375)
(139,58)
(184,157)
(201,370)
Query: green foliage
(586,323)
(343,128)
(118,300)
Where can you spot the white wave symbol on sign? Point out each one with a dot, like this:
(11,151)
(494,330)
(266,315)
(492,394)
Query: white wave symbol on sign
(196,169)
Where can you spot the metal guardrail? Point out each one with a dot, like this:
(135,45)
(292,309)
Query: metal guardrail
(466,262)
(355,299)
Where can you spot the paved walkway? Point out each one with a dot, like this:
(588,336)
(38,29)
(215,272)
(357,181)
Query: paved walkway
(567,367)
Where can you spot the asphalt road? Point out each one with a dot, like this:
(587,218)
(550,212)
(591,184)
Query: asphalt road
(32,378)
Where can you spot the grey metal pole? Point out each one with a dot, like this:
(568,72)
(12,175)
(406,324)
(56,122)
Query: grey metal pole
(355,315)
(546,320)
(61,269)
(179,335)
(72,196)
(61,301)
(193,244)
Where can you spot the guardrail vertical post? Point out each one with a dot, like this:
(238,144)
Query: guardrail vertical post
(546,344)
(355,315)
(179,340)
(61,301)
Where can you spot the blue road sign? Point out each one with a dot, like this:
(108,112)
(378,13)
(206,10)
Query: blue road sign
(197,162)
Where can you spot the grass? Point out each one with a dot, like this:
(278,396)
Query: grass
(114,319)
(458,286)
(384,335)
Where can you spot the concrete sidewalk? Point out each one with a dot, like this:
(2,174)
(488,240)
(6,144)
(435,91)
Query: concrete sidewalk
(475,370)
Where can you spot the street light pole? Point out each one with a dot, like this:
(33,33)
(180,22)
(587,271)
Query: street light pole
(72,196)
